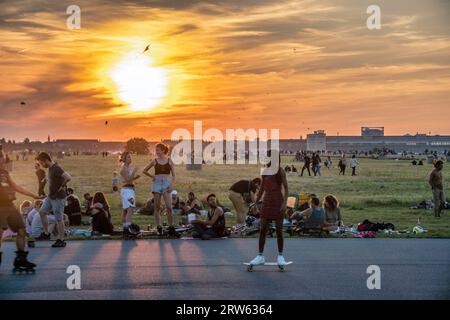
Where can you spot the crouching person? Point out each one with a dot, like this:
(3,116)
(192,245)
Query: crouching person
(214,226)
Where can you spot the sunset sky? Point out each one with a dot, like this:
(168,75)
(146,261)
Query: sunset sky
(295,65)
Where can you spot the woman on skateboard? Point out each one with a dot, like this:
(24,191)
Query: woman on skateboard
(163,182)
(274,192)
(10,216)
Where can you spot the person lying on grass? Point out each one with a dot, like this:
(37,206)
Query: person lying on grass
(214,226)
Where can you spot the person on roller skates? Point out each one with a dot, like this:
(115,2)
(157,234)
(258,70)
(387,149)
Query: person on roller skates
(11,218)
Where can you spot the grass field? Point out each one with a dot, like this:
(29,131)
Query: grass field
(383,190)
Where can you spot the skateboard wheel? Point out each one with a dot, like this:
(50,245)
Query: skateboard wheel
(249,268)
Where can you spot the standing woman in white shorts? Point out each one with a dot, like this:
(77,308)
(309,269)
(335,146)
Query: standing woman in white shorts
(163,182)
(128,176)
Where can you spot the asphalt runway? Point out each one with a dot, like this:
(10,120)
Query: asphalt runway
(195,269)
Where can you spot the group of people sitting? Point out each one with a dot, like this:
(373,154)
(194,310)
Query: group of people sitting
(179,207)
(96,207)
(326,216)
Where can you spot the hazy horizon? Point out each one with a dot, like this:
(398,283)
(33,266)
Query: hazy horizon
(293,65)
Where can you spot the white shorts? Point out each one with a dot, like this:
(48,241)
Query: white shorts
(128,198)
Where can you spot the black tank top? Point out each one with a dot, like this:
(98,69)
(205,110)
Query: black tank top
(162,168)
(219,226)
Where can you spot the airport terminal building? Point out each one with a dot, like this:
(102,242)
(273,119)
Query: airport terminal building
(374,138)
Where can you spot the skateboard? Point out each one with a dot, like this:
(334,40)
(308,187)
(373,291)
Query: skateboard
(281,268)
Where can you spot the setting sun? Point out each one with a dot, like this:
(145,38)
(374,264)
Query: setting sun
(139,84)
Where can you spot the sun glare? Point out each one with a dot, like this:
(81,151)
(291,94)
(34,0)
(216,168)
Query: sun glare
(139,84)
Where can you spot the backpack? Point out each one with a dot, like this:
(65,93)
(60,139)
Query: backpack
(366,225)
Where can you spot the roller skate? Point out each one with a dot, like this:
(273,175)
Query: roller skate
(21,264)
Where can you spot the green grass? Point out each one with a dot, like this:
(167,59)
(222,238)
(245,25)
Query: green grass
(383,190)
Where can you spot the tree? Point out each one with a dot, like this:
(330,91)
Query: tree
(137,145)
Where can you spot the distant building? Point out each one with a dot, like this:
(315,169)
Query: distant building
(316,141)
(370,139)
(372,131)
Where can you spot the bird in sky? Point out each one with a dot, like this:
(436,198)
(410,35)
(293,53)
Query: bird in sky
(147,48)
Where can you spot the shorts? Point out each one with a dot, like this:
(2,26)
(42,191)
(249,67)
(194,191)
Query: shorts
(55,206)
(161,184)
(10,218)
(238,201)
(128,198)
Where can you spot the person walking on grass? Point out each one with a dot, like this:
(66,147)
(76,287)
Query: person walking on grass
(353,164)
(128,174)
(10,217)
(306,165)
(56,200)
(163,183)
(342,165)
(274,192)
(316,164)
(437,187)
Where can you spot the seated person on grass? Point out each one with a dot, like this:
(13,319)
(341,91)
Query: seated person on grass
(192,205)
(100,220)
(37,228)
(175,202)
(332,218)
(214,226)
(25,208)
(73,208)
(313,216)
(87,203)
(30,216)
(100,199)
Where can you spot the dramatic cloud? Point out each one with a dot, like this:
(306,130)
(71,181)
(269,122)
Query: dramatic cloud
(292,64)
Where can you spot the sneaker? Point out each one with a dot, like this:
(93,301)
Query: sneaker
(280,260)
(59,244)
(43,237)
(258,260)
